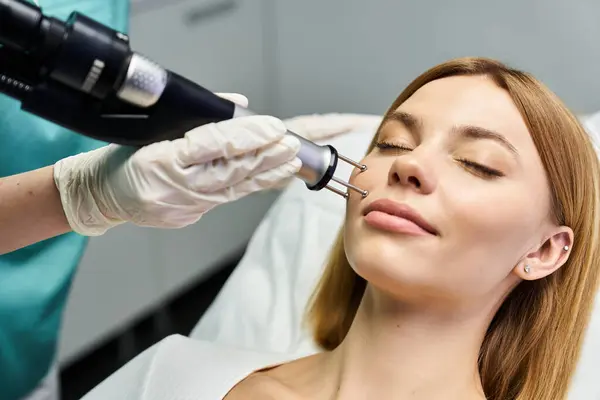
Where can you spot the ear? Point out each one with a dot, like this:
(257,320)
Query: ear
(548,257)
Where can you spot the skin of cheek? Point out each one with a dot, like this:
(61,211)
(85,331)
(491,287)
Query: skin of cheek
(489,233)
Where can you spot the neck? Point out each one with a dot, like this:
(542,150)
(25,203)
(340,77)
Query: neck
(412,353)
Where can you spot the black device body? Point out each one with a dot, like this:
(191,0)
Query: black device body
(47,64)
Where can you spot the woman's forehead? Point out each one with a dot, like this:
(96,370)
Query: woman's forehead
(467,100)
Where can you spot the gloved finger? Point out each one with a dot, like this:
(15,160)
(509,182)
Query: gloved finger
(318,127)
(228,139)
(236,98)
(268,179)
(262,181)
(222,173)
(283,183)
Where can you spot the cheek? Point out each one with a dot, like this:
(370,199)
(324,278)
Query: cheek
(498,219)
(489,233)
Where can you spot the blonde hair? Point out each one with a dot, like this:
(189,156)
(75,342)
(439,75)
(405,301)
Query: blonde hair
(531,348)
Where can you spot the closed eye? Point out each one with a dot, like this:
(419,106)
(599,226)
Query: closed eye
(480,169)
(474,167)
(392,146)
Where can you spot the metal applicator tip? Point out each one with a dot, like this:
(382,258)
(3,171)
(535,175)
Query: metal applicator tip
(364,193)
(348,185)
(362,167)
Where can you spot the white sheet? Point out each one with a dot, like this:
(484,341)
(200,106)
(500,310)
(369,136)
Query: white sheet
(262,304)
(177,368)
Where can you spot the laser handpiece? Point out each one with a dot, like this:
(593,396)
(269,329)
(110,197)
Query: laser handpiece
(319,163)
(82,75)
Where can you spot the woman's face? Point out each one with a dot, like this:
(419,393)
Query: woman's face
(458,155)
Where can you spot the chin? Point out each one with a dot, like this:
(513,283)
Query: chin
(399,271)
(402,265)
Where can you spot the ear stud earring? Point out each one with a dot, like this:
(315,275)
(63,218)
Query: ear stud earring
(566,248)
(527,268)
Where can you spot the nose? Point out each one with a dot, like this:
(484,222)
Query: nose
(408,170)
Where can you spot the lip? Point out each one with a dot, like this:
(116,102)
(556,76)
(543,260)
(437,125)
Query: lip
(391,215)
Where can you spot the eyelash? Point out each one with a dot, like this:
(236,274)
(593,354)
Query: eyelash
(478,168)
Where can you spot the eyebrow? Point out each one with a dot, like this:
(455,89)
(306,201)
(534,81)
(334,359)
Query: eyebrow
(415,125)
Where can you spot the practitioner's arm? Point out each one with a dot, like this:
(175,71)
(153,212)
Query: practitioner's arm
(170,184)
(30,209)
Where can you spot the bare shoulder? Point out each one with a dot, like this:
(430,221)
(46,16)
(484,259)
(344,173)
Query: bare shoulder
(295,380)
(261,386)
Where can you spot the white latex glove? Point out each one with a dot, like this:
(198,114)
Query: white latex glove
(171,184)
(319,127)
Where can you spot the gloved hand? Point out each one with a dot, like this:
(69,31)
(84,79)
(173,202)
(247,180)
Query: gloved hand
(171,184)
(319,127)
